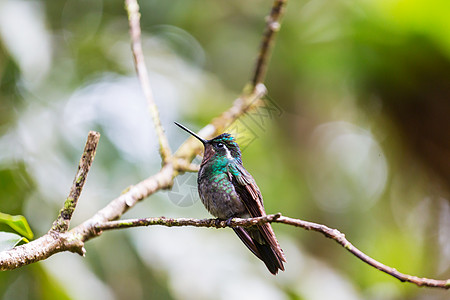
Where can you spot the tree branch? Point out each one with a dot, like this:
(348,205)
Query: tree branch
(333,234)
(132,8)
(62,222)
(40,249)
(272,27)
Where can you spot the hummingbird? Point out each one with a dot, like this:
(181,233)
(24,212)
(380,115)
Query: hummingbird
(227,190)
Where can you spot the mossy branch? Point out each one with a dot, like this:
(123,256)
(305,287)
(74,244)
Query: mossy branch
(62,222)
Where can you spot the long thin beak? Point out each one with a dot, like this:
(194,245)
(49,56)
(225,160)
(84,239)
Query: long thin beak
(191,132)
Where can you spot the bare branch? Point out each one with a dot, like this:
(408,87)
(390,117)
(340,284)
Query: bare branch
(134,16)
(40,249)
(272,27)
(185,166)
(62,222)
(333,234)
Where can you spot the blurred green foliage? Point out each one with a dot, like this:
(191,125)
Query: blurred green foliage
(360,142)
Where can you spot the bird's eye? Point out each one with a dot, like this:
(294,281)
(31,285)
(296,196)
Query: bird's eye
(219,145)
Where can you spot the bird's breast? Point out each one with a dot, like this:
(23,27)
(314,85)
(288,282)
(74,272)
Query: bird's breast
(219,196)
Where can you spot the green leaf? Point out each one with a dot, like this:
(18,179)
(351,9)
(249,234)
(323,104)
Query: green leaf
(17,223)
(9,240)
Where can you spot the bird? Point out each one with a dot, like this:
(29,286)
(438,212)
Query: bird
(228,190)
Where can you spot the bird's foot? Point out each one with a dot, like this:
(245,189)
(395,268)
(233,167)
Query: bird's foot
(218,223)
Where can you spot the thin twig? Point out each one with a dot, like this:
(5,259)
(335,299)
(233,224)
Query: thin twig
(132,8)
(62,222)
(272,27)
(333,234)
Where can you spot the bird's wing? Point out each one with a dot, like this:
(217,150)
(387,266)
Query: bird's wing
(250,194)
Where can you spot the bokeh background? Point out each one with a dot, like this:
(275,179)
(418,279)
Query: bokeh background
(356,135)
